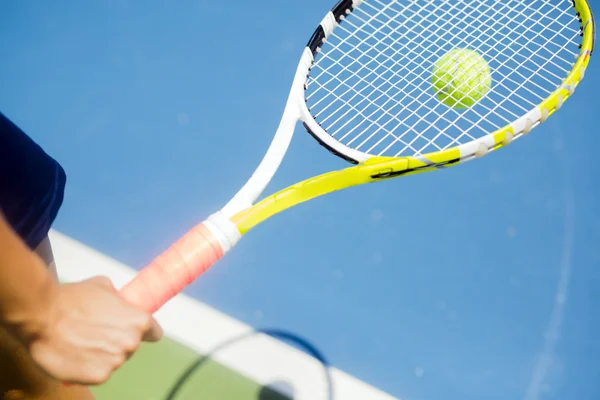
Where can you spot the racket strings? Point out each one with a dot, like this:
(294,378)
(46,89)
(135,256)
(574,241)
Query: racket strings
(371,86)
(502,84)
(362,65)
(479,116)
(410,127)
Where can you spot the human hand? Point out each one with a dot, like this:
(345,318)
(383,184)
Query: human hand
(89,332)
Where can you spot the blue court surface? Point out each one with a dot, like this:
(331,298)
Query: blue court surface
(476,282)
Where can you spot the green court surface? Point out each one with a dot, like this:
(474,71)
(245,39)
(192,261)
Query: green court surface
(154,372)
(242,364)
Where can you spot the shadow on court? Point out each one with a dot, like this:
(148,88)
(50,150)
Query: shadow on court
(279,390)
(274,391)
(267,393)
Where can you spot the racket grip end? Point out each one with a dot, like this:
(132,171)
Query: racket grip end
(181,264)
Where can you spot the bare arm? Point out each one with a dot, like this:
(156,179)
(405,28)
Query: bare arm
(27,288)
(78,332)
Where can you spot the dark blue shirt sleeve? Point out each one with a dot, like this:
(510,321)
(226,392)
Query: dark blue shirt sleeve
(32,184)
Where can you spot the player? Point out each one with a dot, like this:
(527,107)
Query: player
(51,333)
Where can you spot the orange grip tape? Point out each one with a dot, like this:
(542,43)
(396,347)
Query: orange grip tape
(173,270)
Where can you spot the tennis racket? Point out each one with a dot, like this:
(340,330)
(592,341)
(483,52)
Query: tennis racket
(366,91)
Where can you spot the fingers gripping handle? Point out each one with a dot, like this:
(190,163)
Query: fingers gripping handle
(179,266)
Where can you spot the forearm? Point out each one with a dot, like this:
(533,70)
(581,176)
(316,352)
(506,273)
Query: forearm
(27,288)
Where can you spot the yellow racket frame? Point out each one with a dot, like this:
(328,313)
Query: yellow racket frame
(379,168)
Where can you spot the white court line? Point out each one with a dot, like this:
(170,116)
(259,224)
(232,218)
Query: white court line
(202,328)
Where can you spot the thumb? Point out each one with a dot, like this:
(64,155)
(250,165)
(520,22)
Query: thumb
(102,281)
(154,332)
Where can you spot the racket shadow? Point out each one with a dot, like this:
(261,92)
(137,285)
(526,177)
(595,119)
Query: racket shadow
(275,390)
(266,393)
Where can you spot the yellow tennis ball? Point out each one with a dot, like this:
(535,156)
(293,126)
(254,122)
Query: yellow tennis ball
(461,78)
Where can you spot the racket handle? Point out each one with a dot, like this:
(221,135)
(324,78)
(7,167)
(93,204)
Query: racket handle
(176,268)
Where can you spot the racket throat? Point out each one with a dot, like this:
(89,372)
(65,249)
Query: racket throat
(265,171)
(225,231)
(267,168)
(373,170)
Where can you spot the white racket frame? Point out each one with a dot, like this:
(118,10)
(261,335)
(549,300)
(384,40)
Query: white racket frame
(296,110)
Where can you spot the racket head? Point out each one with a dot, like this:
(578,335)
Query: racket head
(529,84)
(369,94)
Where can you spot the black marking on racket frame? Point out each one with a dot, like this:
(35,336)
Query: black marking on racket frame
(329,148)
(339,12)
(316,40)
(314,44)
(583,26)
(395,174)
(340,9)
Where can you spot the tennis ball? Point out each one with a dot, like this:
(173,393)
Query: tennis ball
(461,78)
